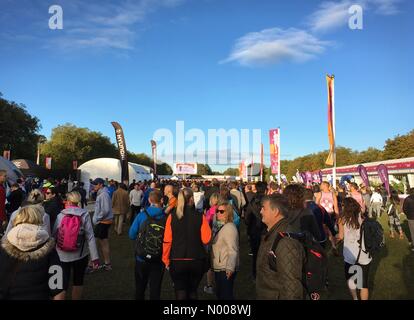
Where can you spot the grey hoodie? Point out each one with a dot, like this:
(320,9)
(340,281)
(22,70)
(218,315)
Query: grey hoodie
(89,236)
(103,206)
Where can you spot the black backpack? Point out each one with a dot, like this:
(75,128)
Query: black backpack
(373,234)
(150,239)
(315,266)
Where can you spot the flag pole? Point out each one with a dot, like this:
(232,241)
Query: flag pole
(261,162)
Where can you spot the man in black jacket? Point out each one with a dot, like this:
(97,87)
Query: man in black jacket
(408,209)
(282,280)
(14,199)
(253,220)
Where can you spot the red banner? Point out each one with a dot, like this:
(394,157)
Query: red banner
(6,154)
(48,163)
(274,150)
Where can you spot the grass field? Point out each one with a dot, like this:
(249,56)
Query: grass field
(391,274)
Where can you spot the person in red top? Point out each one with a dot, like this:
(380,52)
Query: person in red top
(186,233)
(3,178)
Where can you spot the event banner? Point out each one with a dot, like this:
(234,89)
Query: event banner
(48,162)
(120,139)
(309,178)
(185,168)
(320,176)
(363,174)
(274,151)
(303,177)
(6,154)
(331,120)
(154,155)
(383,174)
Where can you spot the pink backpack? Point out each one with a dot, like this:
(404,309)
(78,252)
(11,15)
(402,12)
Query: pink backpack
(68,233)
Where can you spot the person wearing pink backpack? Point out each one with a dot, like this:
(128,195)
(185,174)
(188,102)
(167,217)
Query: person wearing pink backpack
(75,241)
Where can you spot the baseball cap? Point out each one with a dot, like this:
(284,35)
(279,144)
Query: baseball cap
(98,181)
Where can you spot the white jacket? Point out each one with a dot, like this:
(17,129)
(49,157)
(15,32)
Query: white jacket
(225,249)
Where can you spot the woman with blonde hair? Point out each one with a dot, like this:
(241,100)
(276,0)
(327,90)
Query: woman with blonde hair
(74,257)
(26,254)
(225,251)
(186,233)
(35,198)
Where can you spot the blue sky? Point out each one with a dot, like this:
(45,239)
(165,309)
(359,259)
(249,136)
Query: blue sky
(213,64)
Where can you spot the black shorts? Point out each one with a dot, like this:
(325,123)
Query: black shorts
(187,274)
(102,231)
(365,273)
(78,267)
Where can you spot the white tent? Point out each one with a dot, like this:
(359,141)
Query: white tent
(13,173)
(111,168)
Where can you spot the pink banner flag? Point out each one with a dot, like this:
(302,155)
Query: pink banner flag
(274,151)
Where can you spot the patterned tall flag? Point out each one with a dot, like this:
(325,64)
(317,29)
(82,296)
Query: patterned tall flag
(331,120)
(274,137)
(242,169)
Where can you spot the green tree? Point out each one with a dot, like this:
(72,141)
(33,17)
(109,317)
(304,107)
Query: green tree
(231,172)
(370,155)
(69,142)
(204,169)
(18,130)
(402,146)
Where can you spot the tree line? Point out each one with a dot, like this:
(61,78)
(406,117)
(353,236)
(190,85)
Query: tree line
(19,132)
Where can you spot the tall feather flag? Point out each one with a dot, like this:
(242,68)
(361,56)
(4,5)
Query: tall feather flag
(154,155)
(331,120)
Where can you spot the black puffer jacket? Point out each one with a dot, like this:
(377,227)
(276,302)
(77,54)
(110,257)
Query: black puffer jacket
(286,282)
(408,207)
(304,220)
(253,218)
(24,275)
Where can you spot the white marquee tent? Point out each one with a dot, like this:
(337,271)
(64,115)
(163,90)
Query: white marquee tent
(111,168)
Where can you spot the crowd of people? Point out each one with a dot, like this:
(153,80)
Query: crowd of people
(188,229)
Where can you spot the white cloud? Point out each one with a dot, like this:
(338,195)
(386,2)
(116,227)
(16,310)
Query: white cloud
(104,25)
(385,7)
(275,45)
(331,15)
